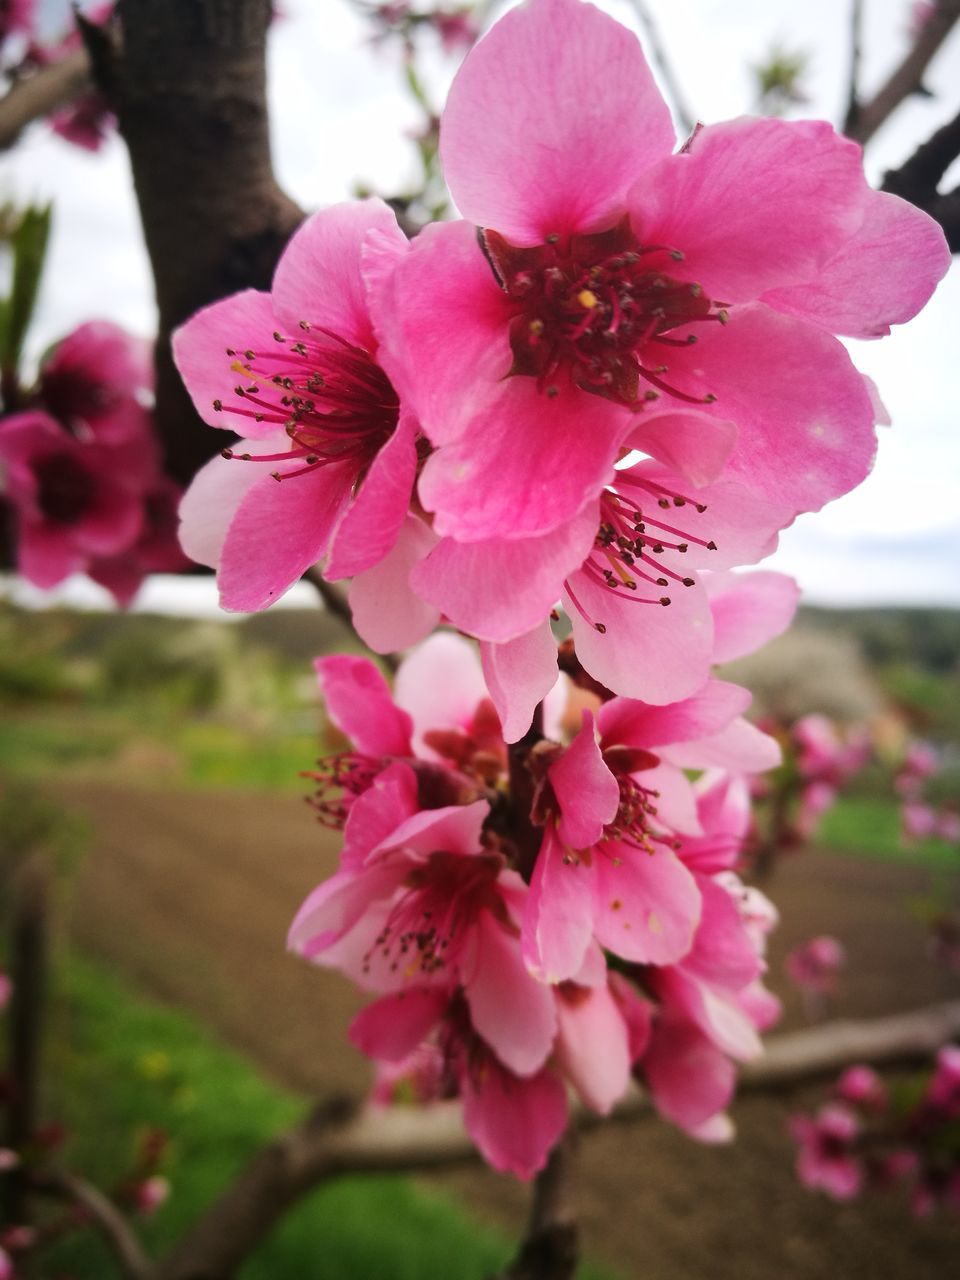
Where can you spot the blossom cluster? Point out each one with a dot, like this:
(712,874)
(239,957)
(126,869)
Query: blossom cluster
(553,424)
(80,467)
(920,818)
(870,1136)
(575,925)
(592,388)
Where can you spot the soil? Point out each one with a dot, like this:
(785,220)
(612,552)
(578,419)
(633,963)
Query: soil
(189,894)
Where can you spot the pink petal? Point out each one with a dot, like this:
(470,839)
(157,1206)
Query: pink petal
(336,906)
(536,460)
(454,828)
(371,523)
(558,919)
(440,684)
(386,613)
(548,120)
(239,323)
(718,1016)
(45,556)
(630,723)
(748,610)
(586,790)
(519,675)
(281,528)
(637,1012)
(753,203)
(501,588)
(211,501)
(318,278)
(881,276)
(377,812)
(723,953)
(390,1029)
(694,444)
(514,1013)
(593,1046)
(646,906)
(801,440)
(660,654)
(741,748)
(675,802)
(689,1078)
(444,325)
(358,702)
(514,1122)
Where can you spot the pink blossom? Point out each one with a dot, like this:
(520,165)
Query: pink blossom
(98,381)
(596,289)
(156,550)
(16,17)
(943,1091)
(6,1266)
(827,1157)
(296,372)
(921,761)
(73,501)
(6,990)
(918,820)
(948,826)
(861,1086)
(815,964)
(150,1194)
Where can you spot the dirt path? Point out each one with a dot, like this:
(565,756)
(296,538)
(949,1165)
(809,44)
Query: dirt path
(190,895)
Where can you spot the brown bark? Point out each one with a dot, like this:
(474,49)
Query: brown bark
(865,118)
(187,81)
(917,180)
(551,1248)
(42,92)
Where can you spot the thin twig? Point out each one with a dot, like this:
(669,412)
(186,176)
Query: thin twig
(856,51)
(551,1247)
(906,78)
(335,603)
(105,1216)
(41,92)
(344,1137)
(658,53)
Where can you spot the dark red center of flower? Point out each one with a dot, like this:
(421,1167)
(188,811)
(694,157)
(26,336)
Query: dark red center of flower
(439,901)
(66,489)
(633,542)
(604,307)
(333,400)
(75,398)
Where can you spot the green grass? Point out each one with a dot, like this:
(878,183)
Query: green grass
(117,1064)
(870,826)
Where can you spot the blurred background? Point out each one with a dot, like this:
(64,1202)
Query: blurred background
(153,756)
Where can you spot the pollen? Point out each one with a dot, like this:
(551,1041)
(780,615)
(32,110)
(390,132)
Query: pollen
(588,299)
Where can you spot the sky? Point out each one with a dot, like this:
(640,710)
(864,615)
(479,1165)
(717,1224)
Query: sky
(339,116)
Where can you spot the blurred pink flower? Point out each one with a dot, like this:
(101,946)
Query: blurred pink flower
(815,965)
(827,1158)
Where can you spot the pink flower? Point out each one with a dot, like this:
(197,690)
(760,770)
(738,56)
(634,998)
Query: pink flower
(921,761)
(6,990)
(612,274)
(98,381)
(943,1091)
(6,1266)
(918,820)
(815,965)
(73,501)
(828,1158)
(156,550)
(297,373)
(150,1194)
(861,1086)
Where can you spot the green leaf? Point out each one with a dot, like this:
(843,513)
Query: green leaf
(29,245)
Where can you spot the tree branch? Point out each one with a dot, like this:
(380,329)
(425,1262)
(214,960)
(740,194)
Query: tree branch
(551,1249)
(343,1137)
(41,92)
(907,78)
(916,180)
(106,1217)
(187,81)
(852,116)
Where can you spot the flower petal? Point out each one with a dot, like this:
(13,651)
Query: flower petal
(390,1029)
(359,703)
(519,675)
(748,610)
(558,916)
(646,906)
(586,790)
(514,1122)
(386,613)
(548,120)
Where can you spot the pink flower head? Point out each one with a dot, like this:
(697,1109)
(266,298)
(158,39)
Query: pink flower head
(16,17)
(861,1086)
(613,279)
(156,550)
(918,820)
(514,1117)
(921,761)
(74,502)
(98,381)
(943,1091)
(150,1194)
(827,1158)
(6,1266)
(326,466)
(815,965)
(6,990)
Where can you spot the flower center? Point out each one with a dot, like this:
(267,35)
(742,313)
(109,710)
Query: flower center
(440,901)
(633,540)
(66,489)
(602,306)
(333,400)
